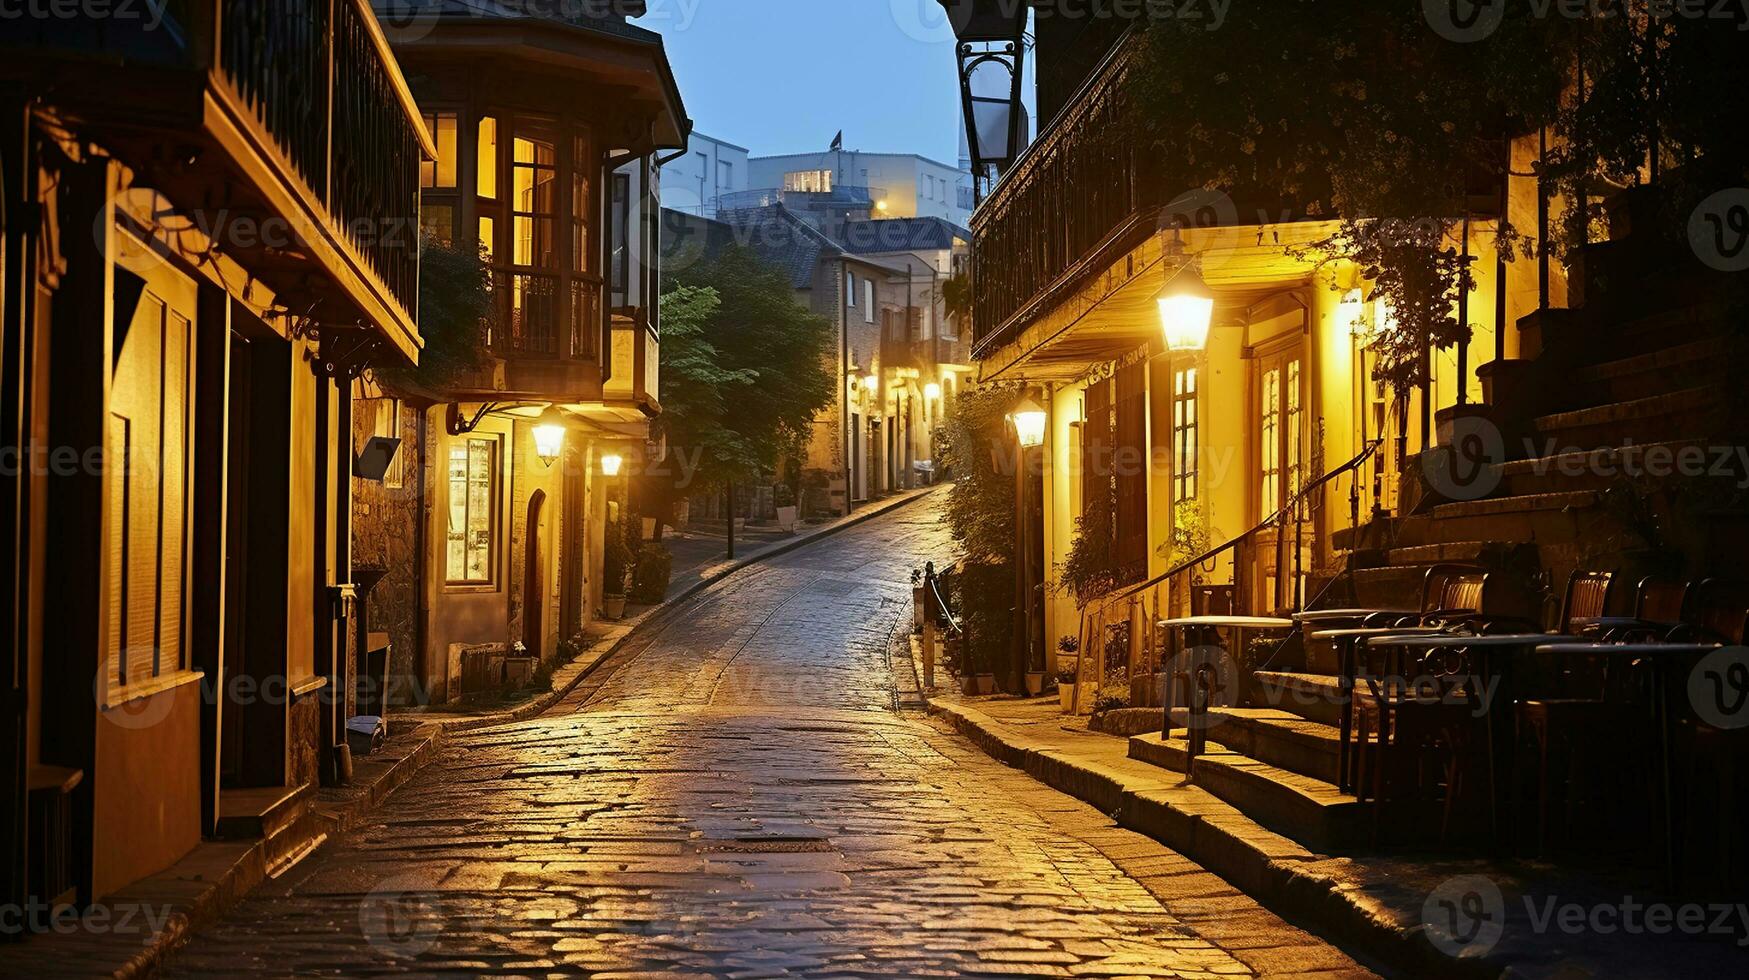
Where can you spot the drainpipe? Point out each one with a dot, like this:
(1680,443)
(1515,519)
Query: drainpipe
(843,381)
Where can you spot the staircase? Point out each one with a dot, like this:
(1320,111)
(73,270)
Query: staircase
(1612,425)
(281,816)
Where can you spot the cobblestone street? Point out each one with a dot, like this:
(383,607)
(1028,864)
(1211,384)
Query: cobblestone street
(745,791)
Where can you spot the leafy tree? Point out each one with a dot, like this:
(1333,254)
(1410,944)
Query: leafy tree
(745,368)
(975,447)
(455,301)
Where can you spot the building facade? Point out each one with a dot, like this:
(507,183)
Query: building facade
(183,329)
(487,530)
(894,185)
(695,182)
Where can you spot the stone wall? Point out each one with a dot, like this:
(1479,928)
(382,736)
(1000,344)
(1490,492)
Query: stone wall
(388,530)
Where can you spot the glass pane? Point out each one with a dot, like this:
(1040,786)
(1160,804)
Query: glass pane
(583,205)
(458,513)
(533,242)
(488,241)
(438,221)
(479,509)
(488,158)
(440,173)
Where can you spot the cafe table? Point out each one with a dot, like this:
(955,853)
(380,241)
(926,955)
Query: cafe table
(1666,654)
(1240,625)
(1344,640)
(1493,655)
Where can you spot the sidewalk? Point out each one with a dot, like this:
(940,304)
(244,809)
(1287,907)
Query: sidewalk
(1385,904)
(129,934)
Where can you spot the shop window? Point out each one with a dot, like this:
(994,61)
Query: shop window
(473,495)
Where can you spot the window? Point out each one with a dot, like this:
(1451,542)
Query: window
(388,426)
(620,221)
(437,179)
(725,175)
(1269,442)
(808,181)
(583,167)
(473,495)
(850,290)
(440,174)
(1184,436)
(488,159)
(868,302)
(534,178)
(146,538)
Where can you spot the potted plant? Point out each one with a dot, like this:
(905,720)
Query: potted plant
(1035,683)
(784,496)
(615,566)
(1067,682)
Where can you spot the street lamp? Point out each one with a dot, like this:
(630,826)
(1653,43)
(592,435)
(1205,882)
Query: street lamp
(612,463)
(1028,420)
(549,435)
(992,55)
(872,382)
(932,391)
(1187,309)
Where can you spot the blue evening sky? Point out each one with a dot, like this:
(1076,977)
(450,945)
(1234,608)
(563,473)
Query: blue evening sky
(784,76)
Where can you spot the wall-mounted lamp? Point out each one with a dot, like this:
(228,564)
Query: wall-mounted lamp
(612,463)
(1187,309)
(1028,420)
(932,391)
(872,382)
(549,435)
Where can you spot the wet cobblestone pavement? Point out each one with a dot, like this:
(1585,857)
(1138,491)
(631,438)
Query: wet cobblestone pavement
(737,794)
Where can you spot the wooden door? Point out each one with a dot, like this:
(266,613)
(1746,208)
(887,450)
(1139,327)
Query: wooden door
(534,605)
(1279,442)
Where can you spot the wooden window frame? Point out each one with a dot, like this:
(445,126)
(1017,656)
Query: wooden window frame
(495,540)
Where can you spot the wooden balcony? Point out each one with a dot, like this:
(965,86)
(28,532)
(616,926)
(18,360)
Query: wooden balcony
(285,111)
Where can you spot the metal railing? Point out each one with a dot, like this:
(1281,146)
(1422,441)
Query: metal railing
(318,78)
(1180,583)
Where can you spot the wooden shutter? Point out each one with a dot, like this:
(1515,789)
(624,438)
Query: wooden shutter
(1131,473)
(1096,447)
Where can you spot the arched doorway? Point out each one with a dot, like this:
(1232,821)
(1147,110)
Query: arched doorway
(533,582)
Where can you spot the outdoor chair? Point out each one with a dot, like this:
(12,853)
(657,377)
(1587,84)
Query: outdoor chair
(1578,724)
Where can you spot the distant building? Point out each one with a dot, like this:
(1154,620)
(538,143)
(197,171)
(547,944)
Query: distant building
(890,185)
(695,182)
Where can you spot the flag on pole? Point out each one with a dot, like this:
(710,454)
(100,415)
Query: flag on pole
(838,141)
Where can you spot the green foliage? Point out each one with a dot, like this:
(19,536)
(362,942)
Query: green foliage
(651,577)
(984,592)
(975,445)
(617,558)
(1090,571)
(1190,534)
(455,299)
(745,368)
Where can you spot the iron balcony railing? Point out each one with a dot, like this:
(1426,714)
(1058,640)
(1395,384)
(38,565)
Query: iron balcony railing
(1073,188)
(317,75)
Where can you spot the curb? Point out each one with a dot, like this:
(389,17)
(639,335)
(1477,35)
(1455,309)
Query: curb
(1275,871)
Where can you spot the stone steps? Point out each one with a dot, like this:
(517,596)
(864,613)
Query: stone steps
(1310,695)
(1598,469)
(1305,809)
(1659,418)
(1272,734)
(1703,362)
(1523,519)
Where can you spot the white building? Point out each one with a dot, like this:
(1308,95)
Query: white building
(695,182)
(909,186)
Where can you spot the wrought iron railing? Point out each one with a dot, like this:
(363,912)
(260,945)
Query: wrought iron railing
(1182,590)
(1070,191)
(318,78)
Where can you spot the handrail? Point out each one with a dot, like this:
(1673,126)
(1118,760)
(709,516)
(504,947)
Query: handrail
(1276,518)
(941,603)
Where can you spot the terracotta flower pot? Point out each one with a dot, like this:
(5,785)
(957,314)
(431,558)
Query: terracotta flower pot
(614,606)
